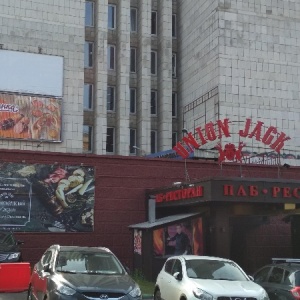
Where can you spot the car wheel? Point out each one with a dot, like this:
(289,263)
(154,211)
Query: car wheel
(157,295)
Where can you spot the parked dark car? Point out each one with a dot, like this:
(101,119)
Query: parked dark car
(9,248)
(81,273)
(281,279)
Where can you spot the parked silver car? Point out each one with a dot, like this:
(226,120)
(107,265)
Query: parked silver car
(191,277)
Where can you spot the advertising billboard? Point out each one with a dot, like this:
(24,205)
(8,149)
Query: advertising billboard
(31,73)
(30,117)
(46,198)
(181,238)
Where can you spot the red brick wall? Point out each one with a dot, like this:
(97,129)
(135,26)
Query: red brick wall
(120,194)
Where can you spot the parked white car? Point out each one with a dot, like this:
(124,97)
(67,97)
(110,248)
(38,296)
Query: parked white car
(191,277)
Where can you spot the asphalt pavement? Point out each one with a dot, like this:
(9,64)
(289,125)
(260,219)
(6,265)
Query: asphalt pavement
(13,296)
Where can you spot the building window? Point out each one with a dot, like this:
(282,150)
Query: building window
(174,26)
(133,19)
(111,57)
(174,139)
(153,141)
(132,101)
(88,96)
(174,65)
(153,62)
(110,140)
(132,142)
(111,98)
(111,16)
(174,104)
(87,138)
(154,22)
(153,102)
(88,54)
(89,13)
(132,60)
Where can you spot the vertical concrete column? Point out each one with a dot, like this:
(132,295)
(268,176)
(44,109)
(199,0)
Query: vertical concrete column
(143,75)
(164,74)
(100,84)
(123,71)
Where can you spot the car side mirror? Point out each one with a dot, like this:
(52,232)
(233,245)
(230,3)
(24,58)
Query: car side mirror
(178,276)
(251,277)
(128,270)
(47,268)
(20,242)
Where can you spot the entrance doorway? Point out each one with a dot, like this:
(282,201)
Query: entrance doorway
(256,239)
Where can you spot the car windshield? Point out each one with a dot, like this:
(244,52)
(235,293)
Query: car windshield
(88,262)
(7,238)
(214,269)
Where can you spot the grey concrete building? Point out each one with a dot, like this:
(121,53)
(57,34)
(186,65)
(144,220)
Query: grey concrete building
(136,72)
(238,60)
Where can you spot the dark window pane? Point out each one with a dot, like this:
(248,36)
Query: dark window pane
(133,60)
(154,22)
(174,65)
(153,102)
(133,20)
(132,101)
(110,98)
(153,142)
(88,54)
(174,29)
(111,17)
(89,13)
(174,105)
(153,63)
(111,57)
(110,138)
(174,139)
(132,141)
(88,96)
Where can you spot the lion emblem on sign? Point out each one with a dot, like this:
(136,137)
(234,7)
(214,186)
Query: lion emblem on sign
(230,152)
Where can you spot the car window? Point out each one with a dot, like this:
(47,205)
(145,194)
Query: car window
(7,238)
(287,278)
(262,275)
(46,258)
(214,269)
(88,262)
(177,267)
(276,275)
(168,266)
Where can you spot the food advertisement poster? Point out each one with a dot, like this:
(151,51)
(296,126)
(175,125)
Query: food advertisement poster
(30,117)
(137,242)
(46,198)
(189,232)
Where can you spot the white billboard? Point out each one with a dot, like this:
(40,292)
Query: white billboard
(31,73)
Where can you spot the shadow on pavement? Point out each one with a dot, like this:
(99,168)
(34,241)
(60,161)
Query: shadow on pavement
(13,296)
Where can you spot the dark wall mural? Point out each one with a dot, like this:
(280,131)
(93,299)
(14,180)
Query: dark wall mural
(46,198)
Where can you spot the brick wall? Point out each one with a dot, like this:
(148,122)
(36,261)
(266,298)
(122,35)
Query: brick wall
(120,195)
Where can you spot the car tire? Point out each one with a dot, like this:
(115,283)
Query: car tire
(157,295)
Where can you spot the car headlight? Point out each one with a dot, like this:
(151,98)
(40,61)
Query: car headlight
(65,290)
(13,255)
(135,292)
(200,294)
(264,296)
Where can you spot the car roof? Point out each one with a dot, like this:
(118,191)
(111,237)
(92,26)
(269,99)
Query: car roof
(193,257)
(289,266)
(81,248)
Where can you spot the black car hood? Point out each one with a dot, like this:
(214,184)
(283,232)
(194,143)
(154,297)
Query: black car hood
(85,282)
